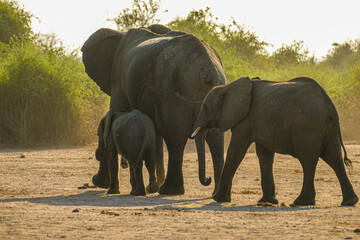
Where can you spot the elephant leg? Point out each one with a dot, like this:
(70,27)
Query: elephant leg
(174,182)
(266,159)
(159,160)
(333,157)
(132,179)
(238,146)
(113,163)
(215,140)
(138,175)
(307,195)
(150,166)
(102,178)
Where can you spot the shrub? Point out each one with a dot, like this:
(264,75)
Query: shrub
(14,21)
(46,97)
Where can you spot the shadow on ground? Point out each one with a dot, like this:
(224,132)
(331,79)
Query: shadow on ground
(100,199)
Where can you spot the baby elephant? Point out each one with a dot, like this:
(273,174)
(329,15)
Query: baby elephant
(295,117)
(132,135)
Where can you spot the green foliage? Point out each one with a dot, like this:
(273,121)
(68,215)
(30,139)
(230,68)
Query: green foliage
(141,14)
(200,23)
(14,21)
(343,54)
(234,37)
(46,96)
(246,44)
(292,54)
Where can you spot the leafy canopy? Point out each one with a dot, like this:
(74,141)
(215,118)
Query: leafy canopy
(14,21)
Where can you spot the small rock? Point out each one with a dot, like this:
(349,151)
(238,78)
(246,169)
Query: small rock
(76,210)
(357,230)
(22,155)
(283,205)
(85,186)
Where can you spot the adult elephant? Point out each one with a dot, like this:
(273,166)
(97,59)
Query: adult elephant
(166,75)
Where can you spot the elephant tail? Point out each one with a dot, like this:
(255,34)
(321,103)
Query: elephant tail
(144,143)
(200,147)
(335,117)
(347,161)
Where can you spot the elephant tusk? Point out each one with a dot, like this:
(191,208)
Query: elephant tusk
(195,132)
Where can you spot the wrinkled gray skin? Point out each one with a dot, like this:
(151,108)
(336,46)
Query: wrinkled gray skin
(132,135)
(166,75)
(295,117)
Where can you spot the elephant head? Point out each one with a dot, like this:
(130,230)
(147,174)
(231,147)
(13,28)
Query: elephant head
(193,65)
(99,50)
(225,106)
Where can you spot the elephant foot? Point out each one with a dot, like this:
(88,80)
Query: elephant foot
(101,182)
(113,191)
(350,201)
(138,192)
(222,197)
(216,189)
(152,187)
(160,178)
(268,200)
(167,189)
(302,201)
(124,164)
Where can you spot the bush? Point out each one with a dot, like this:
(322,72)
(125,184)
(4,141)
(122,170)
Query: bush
(46,97)
(14,21)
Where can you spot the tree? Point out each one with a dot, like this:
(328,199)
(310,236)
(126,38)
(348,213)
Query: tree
(233,37)
(142,13)
(245,43)
(14,21)
(342,54)
(291,54)
(200,23)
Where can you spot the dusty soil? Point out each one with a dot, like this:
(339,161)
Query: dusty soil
(39,198)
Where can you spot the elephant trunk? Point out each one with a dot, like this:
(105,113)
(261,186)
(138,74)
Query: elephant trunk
(200,147)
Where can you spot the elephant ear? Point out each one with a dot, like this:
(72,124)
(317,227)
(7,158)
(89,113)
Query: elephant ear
(235,103)
(98,53)
(159,29)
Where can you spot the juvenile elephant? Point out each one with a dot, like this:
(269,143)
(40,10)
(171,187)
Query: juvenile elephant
(295,117)
(132,135)
(166,75)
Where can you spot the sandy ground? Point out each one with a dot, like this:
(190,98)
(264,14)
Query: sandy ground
(39,198)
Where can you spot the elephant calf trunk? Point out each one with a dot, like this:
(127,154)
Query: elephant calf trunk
(200,146)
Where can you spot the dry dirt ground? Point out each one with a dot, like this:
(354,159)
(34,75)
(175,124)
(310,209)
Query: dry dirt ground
(40,199)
